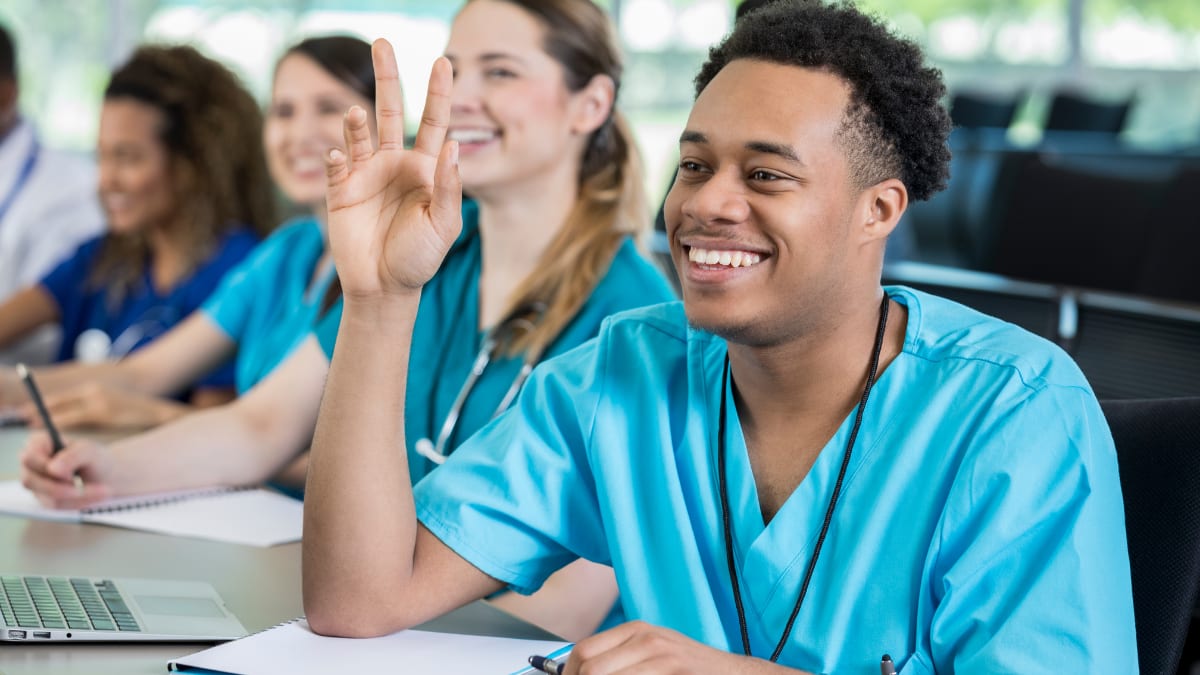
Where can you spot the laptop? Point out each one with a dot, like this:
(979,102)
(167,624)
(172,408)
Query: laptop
(39,608)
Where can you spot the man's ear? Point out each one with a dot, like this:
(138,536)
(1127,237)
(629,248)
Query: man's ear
(881,206)
(593,104)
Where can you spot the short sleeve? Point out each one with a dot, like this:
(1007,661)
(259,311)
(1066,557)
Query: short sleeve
(65,282)
(230,305)
(518,499)
(1032,571)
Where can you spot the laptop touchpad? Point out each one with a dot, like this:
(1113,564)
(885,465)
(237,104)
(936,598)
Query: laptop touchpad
(163,605)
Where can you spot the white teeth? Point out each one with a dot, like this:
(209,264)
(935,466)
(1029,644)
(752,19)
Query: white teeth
(307,165)
(726,258)
(471,135)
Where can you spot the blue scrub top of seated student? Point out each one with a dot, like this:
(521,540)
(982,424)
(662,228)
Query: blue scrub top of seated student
(446,337)
(980,526)
(144,313)
(269,303)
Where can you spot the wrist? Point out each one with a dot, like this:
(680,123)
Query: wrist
(385,312)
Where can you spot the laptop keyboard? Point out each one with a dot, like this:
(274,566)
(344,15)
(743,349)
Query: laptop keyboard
(65,603)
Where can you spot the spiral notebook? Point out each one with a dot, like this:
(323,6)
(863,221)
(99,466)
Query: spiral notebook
(251,516)
(293,648)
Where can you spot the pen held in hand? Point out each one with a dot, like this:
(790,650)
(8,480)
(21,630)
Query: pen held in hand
(55,439)
(547,665)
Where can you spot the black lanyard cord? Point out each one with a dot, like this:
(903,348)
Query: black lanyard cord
(873,370)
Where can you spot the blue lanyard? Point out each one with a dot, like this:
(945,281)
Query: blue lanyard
(22,178)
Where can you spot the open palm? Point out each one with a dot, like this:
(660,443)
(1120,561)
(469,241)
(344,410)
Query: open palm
(393,213)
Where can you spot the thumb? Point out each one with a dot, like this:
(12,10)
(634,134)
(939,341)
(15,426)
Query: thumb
(71,459)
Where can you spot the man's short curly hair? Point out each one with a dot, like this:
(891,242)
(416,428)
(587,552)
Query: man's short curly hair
(895,124)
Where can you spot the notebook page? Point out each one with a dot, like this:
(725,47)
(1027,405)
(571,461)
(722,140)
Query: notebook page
(294,649)
(17,501)
(253,517)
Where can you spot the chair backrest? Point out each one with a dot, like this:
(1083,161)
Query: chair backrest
(1137,348)
(980,110)
(1170,269)
(1070,112)
(1058,223)
(1158,451)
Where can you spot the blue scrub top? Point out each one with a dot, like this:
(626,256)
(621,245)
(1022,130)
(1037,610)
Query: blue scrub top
(447,339)
(980,527)
(266,304)
(143,313)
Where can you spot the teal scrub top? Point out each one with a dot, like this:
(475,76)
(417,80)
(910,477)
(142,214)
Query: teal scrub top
(266,304)
(980,528)
(447,339)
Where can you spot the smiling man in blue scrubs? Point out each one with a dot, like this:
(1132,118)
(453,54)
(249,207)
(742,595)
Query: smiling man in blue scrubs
(795,469)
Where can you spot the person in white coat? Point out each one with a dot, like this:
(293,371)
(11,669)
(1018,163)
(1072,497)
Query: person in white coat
(48,204)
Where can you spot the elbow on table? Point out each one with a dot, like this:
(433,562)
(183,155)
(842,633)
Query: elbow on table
(351,620)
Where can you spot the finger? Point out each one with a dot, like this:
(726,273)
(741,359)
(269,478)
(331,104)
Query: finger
(337,168)
(358,135)
(60,494)
(431,135)
(36,452)
(389,103)
(636,651)
(592,648)
(75,457)
(446,207)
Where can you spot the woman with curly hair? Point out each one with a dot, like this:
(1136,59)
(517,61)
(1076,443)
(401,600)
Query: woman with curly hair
(184,187)
(270,302)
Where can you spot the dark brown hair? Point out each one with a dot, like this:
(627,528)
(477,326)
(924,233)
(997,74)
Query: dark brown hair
(212,130)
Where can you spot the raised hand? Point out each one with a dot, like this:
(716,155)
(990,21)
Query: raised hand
(393,213)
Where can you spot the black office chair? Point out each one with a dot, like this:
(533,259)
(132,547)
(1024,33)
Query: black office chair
(1059,223)
(1170,269)
(1158,451)
(1071,112)
(973,111)
(1131,348)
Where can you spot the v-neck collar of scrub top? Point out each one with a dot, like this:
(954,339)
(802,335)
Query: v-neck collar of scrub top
(756,543)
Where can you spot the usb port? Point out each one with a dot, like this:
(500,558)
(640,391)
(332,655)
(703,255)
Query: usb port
(43,635)
(16,635)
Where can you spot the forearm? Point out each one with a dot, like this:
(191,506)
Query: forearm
(359,520)
(24,311)
(227,445)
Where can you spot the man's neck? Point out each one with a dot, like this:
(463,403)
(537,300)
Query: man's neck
(792,398)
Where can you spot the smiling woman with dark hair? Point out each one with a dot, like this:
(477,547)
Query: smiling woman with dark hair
(272,300)
(184,187)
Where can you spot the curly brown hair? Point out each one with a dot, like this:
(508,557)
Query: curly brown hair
(212,131)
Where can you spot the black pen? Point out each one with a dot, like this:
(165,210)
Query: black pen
(886,667)
(55,440)
(547,665)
